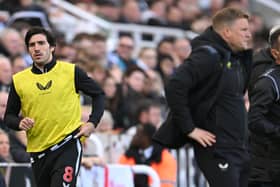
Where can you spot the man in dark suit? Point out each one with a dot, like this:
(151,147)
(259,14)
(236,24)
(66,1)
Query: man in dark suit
(205,97)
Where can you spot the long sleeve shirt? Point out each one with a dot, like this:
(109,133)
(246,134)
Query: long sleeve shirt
(82,83)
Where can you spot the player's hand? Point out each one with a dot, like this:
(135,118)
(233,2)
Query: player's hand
(26,123)
(205,138)
(85,130)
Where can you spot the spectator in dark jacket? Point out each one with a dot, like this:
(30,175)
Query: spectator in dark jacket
(264,115)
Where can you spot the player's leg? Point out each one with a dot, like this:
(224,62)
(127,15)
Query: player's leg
(67,165)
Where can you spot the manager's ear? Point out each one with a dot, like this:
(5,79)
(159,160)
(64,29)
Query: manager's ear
(275,53)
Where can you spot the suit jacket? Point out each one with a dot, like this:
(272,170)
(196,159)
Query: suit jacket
(171,135)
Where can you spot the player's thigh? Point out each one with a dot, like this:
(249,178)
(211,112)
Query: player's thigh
(67,166)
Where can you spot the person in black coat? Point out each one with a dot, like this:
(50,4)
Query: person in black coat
(264,115)
(206,100)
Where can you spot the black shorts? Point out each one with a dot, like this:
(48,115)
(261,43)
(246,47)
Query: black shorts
(59,167)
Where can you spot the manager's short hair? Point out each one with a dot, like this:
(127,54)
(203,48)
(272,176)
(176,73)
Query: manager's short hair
(227,16)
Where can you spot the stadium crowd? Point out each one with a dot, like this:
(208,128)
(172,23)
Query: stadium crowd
(133,80)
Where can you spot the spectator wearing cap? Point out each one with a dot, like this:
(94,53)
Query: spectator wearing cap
(264,115)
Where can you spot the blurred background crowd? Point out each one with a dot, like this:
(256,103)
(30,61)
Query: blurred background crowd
(130,47)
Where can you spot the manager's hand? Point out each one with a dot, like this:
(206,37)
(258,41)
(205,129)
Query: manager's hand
(205,138)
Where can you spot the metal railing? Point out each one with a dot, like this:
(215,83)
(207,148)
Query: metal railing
(270,4)
(80,13)
(188,175)
(28,181)
(29,15)
(115,29)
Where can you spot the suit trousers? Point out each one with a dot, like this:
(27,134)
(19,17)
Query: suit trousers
(223,167)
